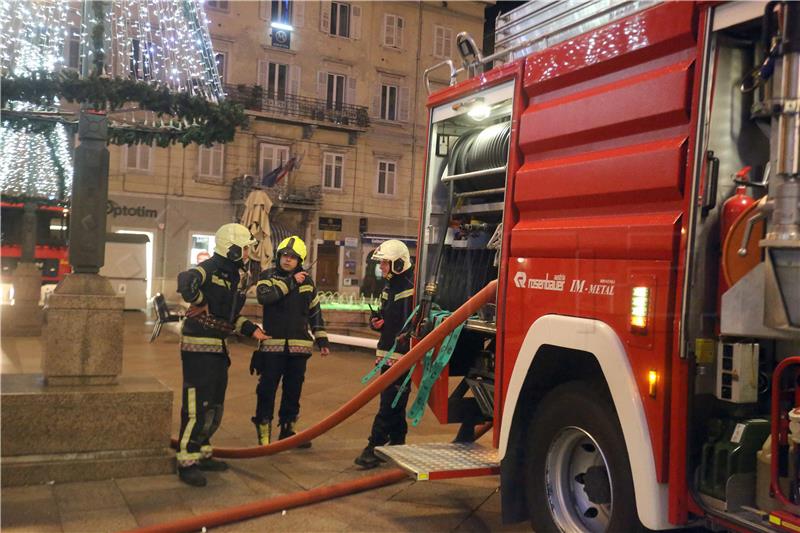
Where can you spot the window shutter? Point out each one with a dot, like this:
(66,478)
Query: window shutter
(264,9)
(388,30)
(322,85)
(219,162)
(351,90)
(294,80)
(355,22)
(404,104)
(298,14)
(399,32)
(144,157)
(325,17)
(263,73)
(447,42)
(375,108)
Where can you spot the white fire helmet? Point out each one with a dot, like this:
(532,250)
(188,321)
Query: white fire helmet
(396,252)
(231,239)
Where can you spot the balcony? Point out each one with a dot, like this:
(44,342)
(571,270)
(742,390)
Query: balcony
(299,109)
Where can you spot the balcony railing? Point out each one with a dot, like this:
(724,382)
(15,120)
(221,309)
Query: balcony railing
(254,97)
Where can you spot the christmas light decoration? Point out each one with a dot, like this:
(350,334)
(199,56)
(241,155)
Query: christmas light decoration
(151,66)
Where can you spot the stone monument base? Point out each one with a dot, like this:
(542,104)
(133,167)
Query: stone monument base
(25,317)
(82,433)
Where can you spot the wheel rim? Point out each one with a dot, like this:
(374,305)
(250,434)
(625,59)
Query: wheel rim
(573,454)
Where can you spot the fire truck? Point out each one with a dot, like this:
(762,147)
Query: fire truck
(51,253)
(629,173)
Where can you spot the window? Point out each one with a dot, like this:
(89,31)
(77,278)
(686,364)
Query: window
(335,91)
(442,42)
(138,157)
(389,102)
(72,48)
(271,156)
(222,5)
(210,162)
(387,171)
(277,81)
(221,61)
(281,11)
(393,31)
(141,59)
(340,19)
(202,245)
(332,171)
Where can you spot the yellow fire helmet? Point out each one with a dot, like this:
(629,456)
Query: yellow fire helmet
(231,239)
(293,245)
(396,252)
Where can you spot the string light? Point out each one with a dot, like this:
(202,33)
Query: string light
(164,42)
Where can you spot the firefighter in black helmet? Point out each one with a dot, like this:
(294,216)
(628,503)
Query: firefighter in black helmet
(397,297)
(215,290)
(291,309)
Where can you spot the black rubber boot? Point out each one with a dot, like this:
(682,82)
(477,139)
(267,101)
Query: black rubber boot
(209,464)
(287,430)
(368,459)
(263,431)
(466,433)
(191,475)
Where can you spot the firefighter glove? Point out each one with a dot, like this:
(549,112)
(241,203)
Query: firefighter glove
(257,363)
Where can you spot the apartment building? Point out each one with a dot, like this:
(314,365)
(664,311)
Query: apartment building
(337,85)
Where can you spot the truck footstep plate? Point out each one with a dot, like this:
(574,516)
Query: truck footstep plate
(443,460)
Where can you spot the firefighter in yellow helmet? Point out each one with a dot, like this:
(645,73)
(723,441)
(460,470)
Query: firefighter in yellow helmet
(291,308)
(390,424)
(215,291)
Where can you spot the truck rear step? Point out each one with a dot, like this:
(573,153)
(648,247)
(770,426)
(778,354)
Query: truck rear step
(444,460)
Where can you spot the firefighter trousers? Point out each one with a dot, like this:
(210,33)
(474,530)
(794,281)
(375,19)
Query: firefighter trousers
(205,378)
(286,367)
(390,424)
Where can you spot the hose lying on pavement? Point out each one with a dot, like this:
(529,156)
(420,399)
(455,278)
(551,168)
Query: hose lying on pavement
(373,389)
(279,503)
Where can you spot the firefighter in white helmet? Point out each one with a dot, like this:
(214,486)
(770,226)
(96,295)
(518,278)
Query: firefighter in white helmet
(390,424)
(291,309)
(215,291)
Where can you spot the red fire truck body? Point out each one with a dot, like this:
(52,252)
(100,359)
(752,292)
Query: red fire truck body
(52,253)
(604,214)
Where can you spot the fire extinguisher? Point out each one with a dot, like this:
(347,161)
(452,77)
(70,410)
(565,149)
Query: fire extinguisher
(731,210)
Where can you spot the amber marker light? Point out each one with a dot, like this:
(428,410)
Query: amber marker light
(652,381)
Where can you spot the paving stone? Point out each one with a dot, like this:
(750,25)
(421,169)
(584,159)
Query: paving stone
(29,509)
(98,521)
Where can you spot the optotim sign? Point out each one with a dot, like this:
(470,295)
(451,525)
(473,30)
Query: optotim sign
(115,210)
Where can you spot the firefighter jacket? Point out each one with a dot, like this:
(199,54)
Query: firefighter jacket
(290,309)
(214,282)
(396,305)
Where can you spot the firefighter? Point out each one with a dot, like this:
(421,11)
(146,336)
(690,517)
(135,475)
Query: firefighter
(215,291)
(291,308)
(390,424)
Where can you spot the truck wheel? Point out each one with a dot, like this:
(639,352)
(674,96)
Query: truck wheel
(578,473)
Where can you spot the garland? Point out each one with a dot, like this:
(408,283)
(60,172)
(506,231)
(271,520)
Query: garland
(192,119)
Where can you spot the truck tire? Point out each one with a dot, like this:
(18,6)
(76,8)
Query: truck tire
(578,475)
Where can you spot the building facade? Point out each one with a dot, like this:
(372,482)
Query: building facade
(339,86)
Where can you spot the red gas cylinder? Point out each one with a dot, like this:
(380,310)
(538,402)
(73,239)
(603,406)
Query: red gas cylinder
(731,210)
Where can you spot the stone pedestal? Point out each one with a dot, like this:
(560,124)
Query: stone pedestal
(79,421)
(83,433)
(24,318)
(83,338)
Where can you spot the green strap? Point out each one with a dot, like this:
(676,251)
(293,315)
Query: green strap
(432,373)
(377,368)
(437,317)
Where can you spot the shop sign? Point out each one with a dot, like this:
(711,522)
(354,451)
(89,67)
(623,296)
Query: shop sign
(330,224)
(115,210)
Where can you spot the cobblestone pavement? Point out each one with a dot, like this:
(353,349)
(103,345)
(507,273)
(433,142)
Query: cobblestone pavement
(113,505)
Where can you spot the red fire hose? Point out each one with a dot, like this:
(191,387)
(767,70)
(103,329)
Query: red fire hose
(271,505)
(370,391)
